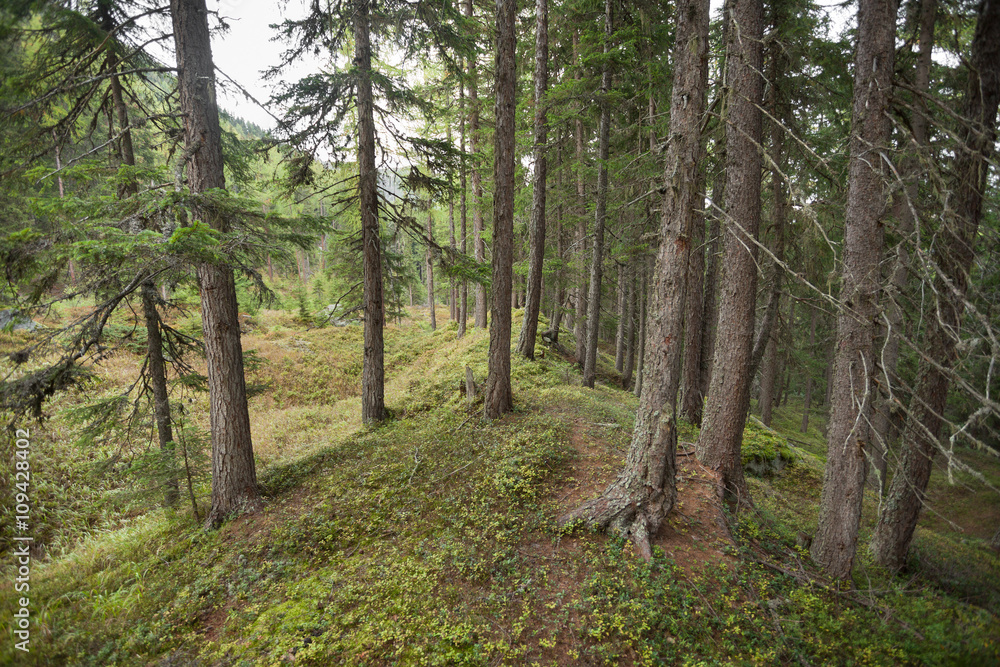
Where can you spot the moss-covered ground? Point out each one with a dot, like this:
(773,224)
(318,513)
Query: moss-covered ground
(432,539)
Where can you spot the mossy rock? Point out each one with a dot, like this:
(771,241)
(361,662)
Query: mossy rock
(764,451)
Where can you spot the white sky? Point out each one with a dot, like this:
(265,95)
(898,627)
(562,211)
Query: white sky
(247,50)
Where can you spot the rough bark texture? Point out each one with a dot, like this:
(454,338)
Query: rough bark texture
(158,387)
(692,398)
(954,253)
(478,244)
(580,291)
(157,370)
(234,477)
(536,244)
(373,368)
(600,214)
(902,212)
(729,393)
(638,501)
(621,329)
(643,317)
(498,398)
(463,211)
(836,536)
(630,337)
(430,268)
(768,376)
(807,401)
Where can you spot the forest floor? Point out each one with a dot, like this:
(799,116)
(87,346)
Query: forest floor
(433,539)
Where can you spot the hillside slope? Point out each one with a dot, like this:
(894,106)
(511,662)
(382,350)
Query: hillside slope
(433,540)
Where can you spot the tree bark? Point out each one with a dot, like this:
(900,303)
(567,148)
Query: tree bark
(630,344)
(600,213)
(645,491)
(478,244)
(954,254)
(580,325)
(536,245)
(621,329)
(692,400)
(498,397)
(373,368)
(234,476)
(849,433)
(728,402)
(902,212)
(154,343)
(643,308)
(463,315)
(430,268)
(807,402)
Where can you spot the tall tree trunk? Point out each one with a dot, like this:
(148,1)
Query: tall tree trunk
(768,376)
(373,368)
(954,252)
(158,386)
(643,314)
(234,476)
(498,397)
(560,286)
(836,536)
(633,298)
(807,402)
(637,502)
(536,245)
(621,329)
(463,315)
(600,213)
(430,268)
(580,325)
(721,434)
(692,400)
(478,244)
(716,214)
(902,212)
(154,344)
(452,243)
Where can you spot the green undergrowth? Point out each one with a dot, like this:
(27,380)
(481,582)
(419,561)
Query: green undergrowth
(432,540)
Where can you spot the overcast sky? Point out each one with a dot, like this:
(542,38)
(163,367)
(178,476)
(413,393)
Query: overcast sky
(247,49)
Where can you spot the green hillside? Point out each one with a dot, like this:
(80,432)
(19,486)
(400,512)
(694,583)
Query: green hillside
(433,539)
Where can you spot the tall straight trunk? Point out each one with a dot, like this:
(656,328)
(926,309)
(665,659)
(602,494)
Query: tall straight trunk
(373,368)
(643,308)
(234,476)
(600,213)
(692,399)
(478,244)
(807,402)
(158,385)
(128,187)
(716,213)
(560,286)
(835,542)
(638,501)
(463,315)
(621,330)
(779,198)
(536,244)
(955,253)
(453,244)
(630,343)
(768,377)
(498,397)
(902,212)
(430,267)
(721,434)
(580,324)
